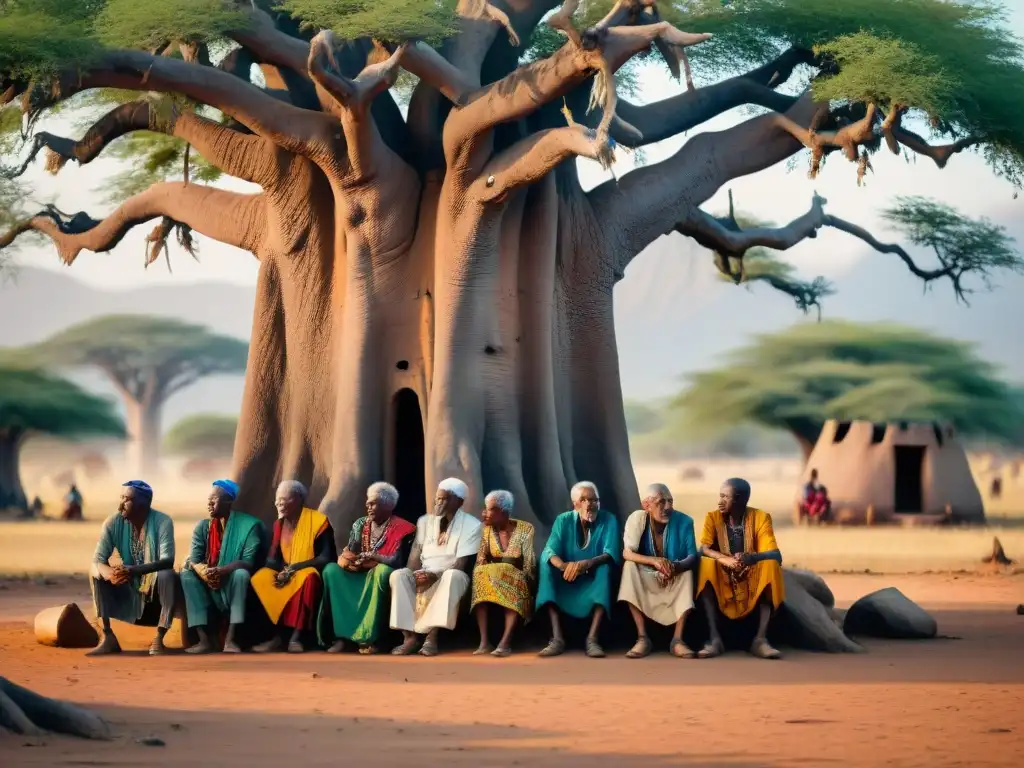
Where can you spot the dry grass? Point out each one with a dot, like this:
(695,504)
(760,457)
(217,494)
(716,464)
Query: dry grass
(50,547)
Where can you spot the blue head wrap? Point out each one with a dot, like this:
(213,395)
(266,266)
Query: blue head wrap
(230,488)
(141,487)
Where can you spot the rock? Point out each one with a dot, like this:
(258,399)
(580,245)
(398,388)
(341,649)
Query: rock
(997,556)
(804,622)
(65,626)
(1020,610)
(813,583)
(891,614)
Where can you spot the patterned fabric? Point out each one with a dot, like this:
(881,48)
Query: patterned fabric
(216,536)
(505,576)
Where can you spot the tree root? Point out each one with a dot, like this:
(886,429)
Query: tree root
(29,714)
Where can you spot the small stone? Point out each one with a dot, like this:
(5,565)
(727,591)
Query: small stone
(1020,610)
(177,727)
(151,741)
(890,614)
(490,181)
(314,675)
(1000,730)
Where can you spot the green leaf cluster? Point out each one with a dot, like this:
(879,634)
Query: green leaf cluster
(34,400)
(391,21)
(799,378)
(154,157)
(204,434)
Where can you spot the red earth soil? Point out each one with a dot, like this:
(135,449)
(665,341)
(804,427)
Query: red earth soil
(938,703)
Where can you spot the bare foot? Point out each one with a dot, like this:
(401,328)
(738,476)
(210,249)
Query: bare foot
(107,646)
(555,647)
(203,646)
(272,645)
(337,647)
(407,648)
(296,646)
(483,650)
(711,650)
(762,649)
(231,646)
(501,652)
(429,648)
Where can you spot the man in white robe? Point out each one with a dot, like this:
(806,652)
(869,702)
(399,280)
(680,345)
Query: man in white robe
(425,597)
(660,554)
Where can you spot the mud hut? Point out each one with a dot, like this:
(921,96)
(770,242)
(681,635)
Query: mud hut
(905,472)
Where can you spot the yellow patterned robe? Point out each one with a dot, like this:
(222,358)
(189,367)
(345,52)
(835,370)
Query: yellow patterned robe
(505,577)
(738,597)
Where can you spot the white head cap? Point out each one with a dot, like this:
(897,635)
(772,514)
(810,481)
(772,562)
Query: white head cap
(454,486)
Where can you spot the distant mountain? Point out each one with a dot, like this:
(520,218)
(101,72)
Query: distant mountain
(673,315)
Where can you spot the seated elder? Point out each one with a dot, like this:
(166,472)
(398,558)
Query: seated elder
(505,572)
(356,587)
(139,586)
(289,587)
(425,596)
(741,569)
(576,568)
(216,574)
(660,554)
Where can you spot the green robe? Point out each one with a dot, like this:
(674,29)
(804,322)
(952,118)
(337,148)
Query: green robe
(244,539)
(158,533)
(579,598)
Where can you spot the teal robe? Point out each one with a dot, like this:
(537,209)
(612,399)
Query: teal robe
(158,533)
(244,539)
(579,598)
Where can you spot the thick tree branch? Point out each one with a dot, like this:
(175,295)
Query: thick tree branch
(286,125)
(227,217)
(939,153)
(532,158)
(341,94)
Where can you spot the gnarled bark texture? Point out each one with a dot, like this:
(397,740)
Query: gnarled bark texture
(435,294)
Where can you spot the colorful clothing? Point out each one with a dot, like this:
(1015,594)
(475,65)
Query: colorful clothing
(294,605)
(505,576)
(354,602)
(440,552)
(640,586)
(738,596)
(569,540)
(215,543)
(153,542)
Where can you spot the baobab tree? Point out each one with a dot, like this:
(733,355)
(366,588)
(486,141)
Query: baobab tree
(147,359)
(435,288)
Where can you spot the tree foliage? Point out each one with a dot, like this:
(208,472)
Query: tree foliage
(141,351)
(202,435)
(34,400)
(797,379)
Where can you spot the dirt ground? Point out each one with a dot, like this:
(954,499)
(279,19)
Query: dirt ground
(939,703)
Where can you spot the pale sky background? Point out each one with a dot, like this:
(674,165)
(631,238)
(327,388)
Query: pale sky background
(776,194)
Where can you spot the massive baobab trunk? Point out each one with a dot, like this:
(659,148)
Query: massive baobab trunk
(435,293)
(12,494)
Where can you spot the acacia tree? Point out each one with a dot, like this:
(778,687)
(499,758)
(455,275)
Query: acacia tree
(33,401)
(452,253)
(202,435)
(797,379)
(147,359)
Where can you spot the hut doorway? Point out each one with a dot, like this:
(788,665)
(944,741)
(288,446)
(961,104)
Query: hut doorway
(409,458)
(909,494)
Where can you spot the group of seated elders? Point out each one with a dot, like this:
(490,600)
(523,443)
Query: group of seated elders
(427,571)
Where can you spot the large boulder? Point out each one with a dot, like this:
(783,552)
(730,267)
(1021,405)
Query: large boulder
(890,614)
(65,626)
(804,621)
(812,583)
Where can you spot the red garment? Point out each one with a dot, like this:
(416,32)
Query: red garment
(213,543)
(301,609)
(818,504)
(398,528)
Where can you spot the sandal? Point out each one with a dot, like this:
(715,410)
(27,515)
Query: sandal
(594,649)
(296,646)
(407,648)
(640,649)
(483,650)
(368,650)
(429,648)
(711,650)
(337,647)
(680,650)
(762,649)
(501,652)
(556,647)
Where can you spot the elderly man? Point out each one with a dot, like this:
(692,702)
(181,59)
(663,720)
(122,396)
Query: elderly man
(289,587)
(425,597)
(216,574)
(660,554)
(741,571)
(356,587)
(132,573)
(576,568)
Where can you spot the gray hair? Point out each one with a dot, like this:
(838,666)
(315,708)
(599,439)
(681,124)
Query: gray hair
(504,499)
(293,488)
(655,490)
(385,493)
(581,486)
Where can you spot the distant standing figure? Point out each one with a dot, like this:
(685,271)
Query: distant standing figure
(816,504)
(35,509)
(72,505)
(142,588)
(995,490)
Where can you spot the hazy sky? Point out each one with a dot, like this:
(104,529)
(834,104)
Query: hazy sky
(775,194)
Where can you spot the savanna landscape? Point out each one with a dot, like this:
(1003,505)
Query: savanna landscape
(522,243)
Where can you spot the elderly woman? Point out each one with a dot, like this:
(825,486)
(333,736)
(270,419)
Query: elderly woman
(289,586)
(356,587)
(506,569)
(576,567)
(216,574)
